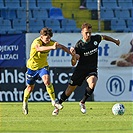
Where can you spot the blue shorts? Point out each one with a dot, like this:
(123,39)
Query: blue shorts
(33,75)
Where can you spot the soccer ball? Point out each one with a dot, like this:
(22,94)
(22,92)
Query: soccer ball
(118,109)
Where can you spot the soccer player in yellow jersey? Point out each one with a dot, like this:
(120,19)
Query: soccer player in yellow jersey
(37,65)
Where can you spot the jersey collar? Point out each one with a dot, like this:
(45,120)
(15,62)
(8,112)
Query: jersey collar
(85,41)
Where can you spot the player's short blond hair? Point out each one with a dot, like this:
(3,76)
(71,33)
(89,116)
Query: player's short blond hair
(86,25)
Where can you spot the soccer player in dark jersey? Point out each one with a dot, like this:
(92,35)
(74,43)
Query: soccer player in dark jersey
(86,54)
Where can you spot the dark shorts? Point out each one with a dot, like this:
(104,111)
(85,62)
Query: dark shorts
(33,75)
(80,75)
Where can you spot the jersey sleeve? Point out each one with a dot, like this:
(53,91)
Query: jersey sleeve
(52,42)
(36,42)
(99,38)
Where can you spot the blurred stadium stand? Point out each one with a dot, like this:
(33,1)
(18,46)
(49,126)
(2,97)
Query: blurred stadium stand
(109,4)
(21,14)
(56,13)
(107,14)
(119,25)
(69,25)
(91,4)
(32,4)
(117,15)
(6,26)
(2,5)
(40,14)
(130,24)
(64,16)
(19,25)
(35,25)
(9,14)
(122,13)
(54,24)
(11,4)
(125,4)
(44,4)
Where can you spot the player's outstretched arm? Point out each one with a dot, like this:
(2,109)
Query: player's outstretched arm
(44,48)
(74,59)
(108,38)
(64,48)
(75,56)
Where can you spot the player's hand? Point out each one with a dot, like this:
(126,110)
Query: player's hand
(72,50)
(77,56)
(117,42)
(56,45)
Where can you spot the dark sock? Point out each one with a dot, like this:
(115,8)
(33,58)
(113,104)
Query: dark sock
(88,93)
(63,98)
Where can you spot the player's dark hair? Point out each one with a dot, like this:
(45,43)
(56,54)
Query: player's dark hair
(86,25)
(46,31)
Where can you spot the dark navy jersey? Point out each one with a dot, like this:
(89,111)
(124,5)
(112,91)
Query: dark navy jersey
(88,52)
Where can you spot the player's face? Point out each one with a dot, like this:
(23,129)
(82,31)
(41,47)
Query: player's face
(46,38)
(86,33)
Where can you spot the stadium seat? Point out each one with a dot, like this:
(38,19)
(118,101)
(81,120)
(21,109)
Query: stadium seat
(8,14)
(35,25)
(125,4)
(54,24)
(69,25)
(21,14)
(1,24)
(2,32)
(109,4)
(5,26)
(131,11)
(107,14)
(40,14)
(45,4)
(2,5)
(122,13)
(19,25)
(32,4)
(91,4)
(56,13)
(12,4)
(119,25)
(130,24)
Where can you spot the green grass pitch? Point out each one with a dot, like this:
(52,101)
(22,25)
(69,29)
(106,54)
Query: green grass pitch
(98,119)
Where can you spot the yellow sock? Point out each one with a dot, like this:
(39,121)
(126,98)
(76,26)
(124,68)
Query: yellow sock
(26,95)
(50,90)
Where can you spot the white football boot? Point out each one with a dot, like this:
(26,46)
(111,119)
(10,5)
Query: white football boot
(58,106)
(82,107)
(55,112)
